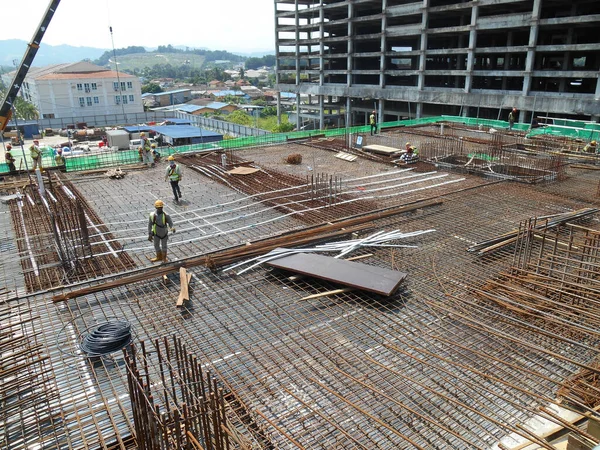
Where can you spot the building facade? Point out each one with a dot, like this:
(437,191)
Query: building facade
(79,90)
(407,58)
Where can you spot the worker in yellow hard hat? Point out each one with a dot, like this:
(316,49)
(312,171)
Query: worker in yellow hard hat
(158,231)
(173,175)
(592,147)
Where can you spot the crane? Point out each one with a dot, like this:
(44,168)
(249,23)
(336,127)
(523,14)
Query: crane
(21,73)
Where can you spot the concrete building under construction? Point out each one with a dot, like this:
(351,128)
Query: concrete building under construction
(407,58)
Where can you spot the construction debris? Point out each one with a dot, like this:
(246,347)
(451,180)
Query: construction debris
(184,279)
(295,158)
(115,174)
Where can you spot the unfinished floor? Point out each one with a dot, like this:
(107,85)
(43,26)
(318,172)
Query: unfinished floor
(433,366)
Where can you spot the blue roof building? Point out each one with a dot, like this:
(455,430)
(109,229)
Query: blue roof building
(186,134)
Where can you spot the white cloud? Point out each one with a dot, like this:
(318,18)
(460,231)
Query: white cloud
(234,25)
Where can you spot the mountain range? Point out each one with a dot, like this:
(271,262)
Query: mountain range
(14,49)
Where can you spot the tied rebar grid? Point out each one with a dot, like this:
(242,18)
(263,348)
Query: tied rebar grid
(61,239)
(283,356)
(176,403)
(551,290)
(28,391)
(254,330)
(315,200)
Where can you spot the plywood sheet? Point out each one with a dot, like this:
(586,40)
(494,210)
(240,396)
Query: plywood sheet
(375,148)
(357,275)
(243,171)
(346,156)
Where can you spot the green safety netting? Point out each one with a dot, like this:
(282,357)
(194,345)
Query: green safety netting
(108,158)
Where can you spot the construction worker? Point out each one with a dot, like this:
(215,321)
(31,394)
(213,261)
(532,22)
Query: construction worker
(512,116)
(155,154)
(140,154)
(158,231)
(411,156)
(146,150)
(592,147)
(59,158)
(373,123)
(10,159)
(173,174)
(36,154)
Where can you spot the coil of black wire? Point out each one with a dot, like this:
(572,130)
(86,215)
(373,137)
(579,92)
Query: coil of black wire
(105,338)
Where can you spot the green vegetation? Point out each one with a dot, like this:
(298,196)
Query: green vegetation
(151,88)
(24,109)
(255,63)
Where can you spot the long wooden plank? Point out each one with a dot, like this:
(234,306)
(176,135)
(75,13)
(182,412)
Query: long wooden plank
(357,275)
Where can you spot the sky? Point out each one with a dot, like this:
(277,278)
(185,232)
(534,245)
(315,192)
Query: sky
(233,25)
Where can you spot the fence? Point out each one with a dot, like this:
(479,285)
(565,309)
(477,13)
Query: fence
(111,120)
(111,159)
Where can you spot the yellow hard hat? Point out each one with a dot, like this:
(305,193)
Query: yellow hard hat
(407,144)
(170,158)
(142,134)
(153,146)
(158,204)
(593,142)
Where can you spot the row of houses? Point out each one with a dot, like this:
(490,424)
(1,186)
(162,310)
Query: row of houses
(209,101)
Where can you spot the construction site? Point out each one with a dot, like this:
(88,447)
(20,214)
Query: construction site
(317,294)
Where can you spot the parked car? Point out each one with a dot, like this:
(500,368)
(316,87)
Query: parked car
(135,143)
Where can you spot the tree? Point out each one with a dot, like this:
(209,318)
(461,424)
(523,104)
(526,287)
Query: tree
(151,88)
(240,117)
(25,110)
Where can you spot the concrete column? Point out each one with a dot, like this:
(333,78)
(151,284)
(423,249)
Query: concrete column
(472,47)
(382,64)
(297,48)
(423,47)
(380,111)
(529,63)
(321,111)
(419,111)
(277,67)
(321,44)
(348,112)
(349,61)
(298,119)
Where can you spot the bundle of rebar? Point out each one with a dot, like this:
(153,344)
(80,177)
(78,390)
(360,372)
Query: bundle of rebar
(178,404)
(505,239)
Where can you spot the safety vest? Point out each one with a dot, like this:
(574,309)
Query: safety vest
(8,157)
(60,160)
(35,152)
(372,119)
(156,224)
(174,173)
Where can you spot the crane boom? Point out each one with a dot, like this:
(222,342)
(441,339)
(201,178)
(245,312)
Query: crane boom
(21,73)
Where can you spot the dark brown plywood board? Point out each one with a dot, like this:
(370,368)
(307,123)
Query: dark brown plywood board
(357,275)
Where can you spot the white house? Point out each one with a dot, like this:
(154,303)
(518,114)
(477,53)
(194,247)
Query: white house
(80,89)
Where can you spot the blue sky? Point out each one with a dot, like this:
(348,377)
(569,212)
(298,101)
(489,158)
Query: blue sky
(234,25)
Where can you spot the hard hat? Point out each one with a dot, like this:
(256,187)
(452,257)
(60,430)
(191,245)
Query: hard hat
(158,204)
(8,146)
(407,144)
(593,143)
(374,111)
(142,134)
(35,141)
(153,146)
(170,158)
(514,109)
(59,151)
(410,149)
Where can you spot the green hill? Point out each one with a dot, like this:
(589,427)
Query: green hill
(136,62)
